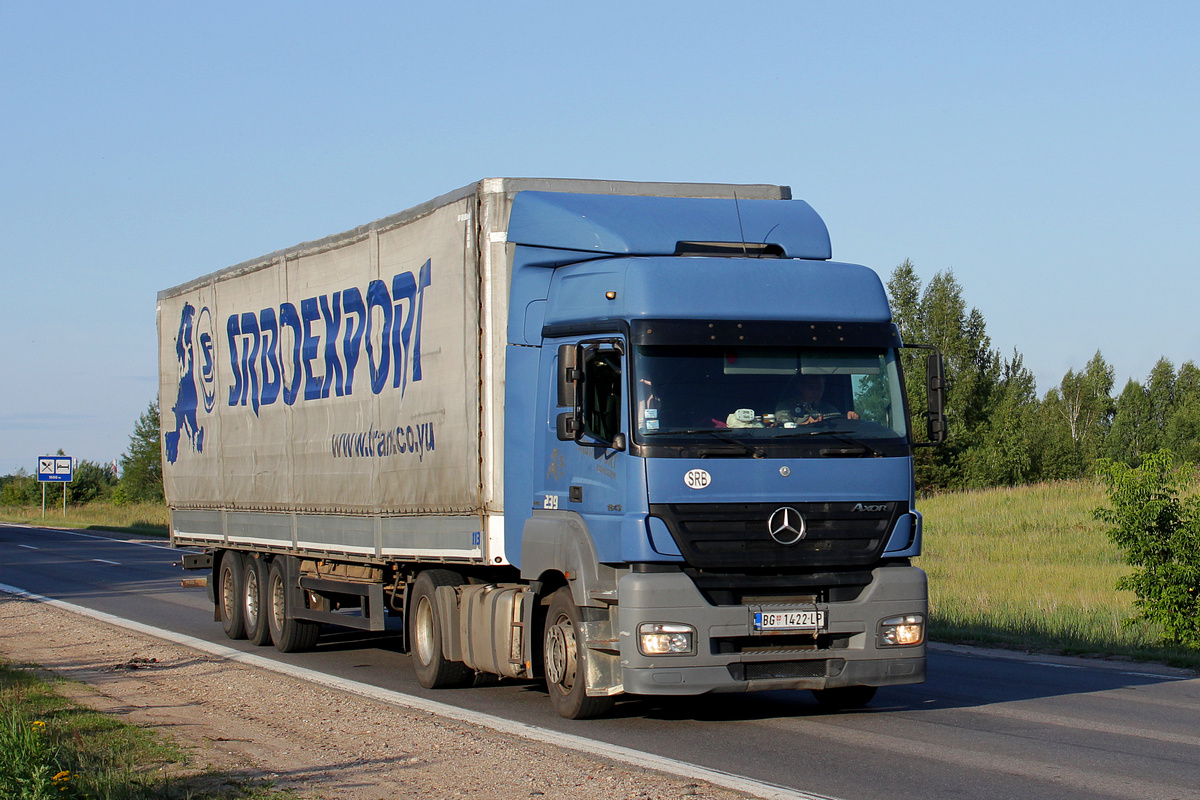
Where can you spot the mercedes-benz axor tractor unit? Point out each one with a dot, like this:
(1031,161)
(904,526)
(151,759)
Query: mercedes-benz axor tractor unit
(625,438)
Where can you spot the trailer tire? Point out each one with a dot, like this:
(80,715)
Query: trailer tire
(434,670)
(254,600)
(565,658)
(844,697)
(230,578)
(289,634)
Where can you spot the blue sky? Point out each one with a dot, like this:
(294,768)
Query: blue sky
(1046,153)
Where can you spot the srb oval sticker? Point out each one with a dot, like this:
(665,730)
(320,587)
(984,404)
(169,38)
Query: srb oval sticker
(697,478)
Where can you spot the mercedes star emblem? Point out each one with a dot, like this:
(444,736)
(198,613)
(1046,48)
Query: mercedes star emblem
(786,525)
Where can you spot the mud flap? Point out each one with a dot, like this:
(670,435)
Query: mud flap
(604,659)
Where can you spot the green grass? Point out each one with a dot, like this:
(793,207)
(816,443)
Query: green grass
(143,518)
(51,747)
(1029,567)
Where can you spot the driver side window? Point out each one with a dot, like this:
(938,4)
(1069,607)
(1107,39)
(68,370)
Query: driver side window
(602,395)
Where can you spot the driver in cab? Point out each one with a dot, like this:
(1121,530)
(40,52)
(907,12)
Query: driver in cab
(804,403)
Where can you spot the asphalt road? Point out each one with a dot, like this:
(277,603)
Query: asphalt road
(985,725)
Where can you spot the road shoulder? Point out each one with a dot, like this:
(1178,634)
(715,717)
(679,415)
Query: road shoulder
(315,740)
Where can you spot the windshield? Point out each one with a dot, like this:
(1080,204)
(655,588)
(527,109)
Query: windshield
(759,395)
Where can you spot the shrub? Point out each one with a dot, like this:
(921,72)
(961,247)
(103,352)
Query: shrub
(1158,533)
(20,490)
(91,481)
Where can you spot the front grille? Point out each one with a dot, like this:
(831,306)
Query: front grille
(736,535)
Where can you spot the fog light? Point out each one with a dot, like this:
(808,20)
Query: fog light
(666,639)
(906,630)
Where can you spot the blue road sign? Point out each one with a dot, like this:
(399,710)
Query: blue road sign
(55,469)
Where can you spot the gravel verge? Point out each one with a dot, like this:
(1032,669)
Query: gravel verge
(323,744)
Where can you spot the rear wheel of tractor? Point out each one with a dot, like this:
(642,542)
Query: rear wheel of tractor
(290,635)
(844,697)
(230,577)
(434,670)
(565,658)
(254,600)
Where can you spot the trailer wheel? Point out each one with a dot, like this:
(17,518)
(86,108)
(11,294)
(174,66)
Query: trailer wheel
(565,656)
(844,697)
(254,600)
(289,634)
(434,670)
(229,595)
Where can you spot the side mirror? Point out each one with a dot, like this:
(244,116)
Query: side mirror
(570,428)
(569,375)
(935,385)
(570,423)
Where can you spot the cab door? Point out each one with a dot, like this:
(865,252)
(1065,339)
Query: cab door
(589,465)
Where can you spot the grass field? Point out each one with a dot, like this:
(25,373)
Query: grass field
(1030,567)
(145,518)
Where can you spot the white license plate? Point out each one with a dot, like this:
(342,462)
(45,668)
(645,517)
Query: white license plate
(788,620)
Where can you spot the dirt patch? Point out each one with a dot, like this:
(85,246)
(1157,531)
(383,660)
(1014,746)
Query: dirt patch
(321,743)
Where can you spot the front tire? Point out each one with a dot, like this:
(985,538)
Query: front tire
(434,670)
(565,658)
(230,579)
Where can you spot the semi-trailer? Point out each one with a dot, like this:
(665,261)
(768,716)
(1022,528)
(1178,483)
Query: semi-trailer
(621,437)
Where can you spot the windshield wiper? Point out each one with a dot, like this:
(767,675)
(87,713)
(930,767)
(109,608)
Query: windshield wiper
(800,433)
(757,452)
(857,447)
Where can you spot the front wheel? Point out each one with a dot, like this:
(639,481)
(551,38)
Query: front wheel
(565,657)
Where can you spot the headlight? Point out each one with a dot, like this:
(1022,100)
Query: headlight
(666,639)
(906,630)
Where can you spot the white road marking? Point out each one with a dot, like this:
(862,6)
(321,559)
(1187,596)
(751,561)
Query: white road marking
(29,547)
(106,561)
(626,755)
(1067,662)
(94,536)
(1155,675)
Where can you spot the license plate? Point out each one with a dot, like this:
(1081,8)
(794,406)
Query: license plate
(788,620)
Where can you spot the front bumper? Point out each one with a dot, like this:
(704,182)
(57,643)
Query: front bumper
(731,657)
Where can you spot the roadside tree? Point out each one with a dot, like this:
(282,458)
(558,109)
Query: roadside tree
(937,314)
(141,464)
(1079,413)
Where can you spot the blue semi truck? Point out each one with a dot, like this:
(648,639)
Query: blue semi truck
(625,438)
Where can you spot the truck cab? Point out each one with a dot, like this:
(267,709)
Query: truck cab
(718,448)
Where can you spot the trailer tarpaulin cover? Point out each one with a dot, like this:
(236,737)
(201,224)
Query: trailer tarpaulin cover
(339,378)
